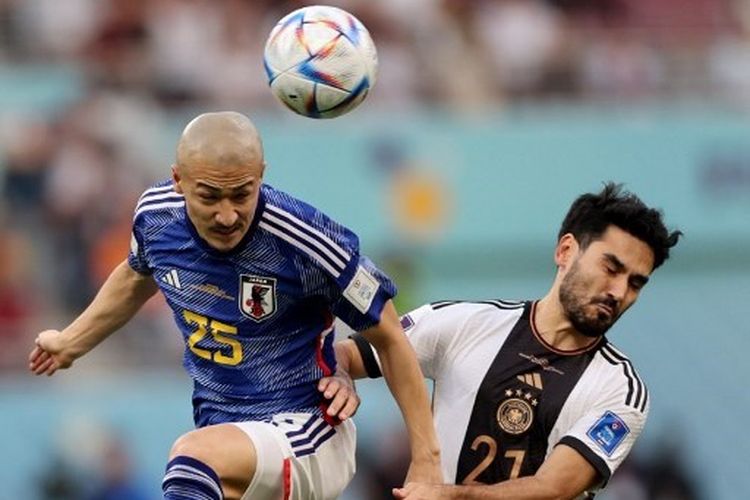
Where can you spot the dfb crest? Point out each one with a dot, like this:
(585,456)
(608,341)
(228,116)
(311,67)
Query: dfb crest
(257,296)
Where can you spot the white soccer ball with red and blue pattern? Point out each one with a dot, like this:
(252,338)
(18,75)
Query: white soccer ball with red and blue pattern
(320,61)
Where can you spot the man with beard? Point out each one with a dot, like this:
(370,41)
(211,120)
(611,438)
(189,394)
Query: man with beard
(531,400)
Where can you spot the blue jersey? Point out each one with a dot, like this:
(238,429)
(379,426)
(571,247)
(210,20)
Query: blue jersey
(257,321)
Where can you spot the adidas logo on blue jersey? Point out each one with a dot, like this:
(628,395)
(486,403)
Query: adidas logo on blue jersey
(172,278)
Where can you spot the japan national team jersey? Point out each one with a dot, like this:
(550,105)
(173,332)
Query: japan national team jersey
(257,321)
(504,398)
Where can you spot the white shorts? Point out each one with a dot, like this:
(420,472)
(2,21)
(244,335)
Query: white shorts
(300,457)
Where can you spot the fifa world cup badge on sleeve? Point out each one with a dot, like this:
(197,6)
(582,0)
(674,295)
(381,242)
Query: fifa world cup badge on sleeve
(608,432)
(362,289)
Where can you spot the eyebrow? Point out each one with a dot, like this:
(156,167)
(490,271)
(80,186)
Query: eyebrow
(219,190)
(638,279)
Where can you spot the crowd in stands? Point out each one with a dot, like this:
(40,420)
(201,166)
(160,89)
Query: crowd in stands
(70,174)
(72,170)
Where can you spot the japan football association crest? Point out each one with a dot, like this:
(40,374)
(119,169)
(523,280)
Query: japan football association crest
(257,296)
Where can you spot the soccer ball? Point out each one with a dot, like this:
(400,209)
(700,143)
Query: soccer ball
(320,61)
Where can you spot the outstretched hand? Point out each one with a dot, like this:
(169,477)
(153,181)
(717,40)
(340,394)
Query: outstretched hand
(339,390)
(47,355)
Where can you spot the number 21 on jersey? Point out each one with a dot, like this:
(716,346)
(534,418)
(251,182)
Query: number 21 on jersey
(516,456)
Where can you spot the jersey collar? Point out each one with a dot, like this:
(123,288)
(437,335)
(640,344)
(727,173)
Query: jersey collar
(529,313)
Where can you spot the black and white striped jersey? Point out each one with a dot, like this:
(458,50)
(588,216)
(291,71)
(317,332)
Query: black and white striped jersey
(504,398)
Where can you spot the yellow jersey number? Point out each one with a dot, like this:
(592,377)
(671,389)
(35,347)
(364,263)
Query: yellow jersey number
(221,333)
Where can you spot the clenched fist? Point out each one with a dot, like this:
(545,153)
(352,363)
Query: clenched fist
(49,353)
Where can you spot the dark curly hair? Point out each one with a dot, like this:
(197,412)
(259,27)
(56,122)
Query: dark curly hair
(591,214)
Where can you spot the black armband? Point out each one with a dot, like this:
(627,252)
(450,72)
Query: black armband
(368,356)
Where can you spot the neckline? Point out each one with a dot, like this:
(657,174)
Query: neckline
(531,307)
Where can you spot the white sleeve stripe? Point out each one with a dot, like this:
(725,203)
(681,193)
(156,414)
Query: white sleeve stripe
(158,197)
(148,208)
(334,259)
(636,388)
(308,228)
(302,246)
(156,190)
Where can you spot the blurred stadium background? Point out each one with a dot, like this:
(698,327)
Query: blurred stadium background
(488,118)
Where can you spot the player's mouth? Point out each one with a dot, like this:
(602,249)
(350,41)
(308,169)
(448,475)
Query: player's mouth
(606,309)
(225,231)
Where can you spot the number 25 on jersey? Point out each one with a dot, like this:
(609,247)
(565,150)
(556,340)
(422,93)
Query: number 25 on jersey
(221,333)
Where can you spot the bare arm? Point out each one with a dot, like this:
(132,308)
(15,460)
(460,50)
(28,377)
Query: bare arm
(404,377)
(349,359)
(119,298)
(564,475)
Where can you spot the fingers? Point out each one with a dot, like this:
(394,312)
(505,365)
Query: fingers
(398,492)
(328,386)
(343,399)
(344,404)
(332,390)
(48,367)
(47,356)
(350,406)
(34,355)
(40,362)
(36,358)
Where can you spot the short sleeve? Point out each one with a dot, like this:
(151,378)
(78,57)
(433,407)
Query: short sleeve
(430,332)
(137,254)
(364,291)
(606,433)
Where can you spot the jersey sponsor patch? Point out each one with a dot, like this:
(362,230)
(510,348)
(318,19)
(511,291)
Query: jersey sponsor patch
(362,289)
(608,432)
(257,296)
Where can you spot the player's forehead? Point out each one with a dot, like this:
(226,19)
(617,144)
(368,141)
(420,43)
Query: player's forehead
(620,247)
(211,186)
(223,177)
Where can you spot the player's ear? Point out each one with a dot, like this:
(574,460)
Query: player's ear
(567,248)
(262,169)
(176,179)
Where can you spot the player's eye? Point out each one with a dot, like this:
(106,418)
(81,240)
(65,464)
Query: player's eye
(636,285)
(240,197)
(207,197)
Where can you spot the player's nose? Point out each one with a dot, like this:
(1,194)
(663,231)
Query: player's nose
(226,214)
(618,288)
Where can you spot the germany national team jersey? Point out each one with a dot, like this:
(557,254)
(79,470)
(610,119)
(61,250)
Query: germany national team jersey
(257,321)
(504,398)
